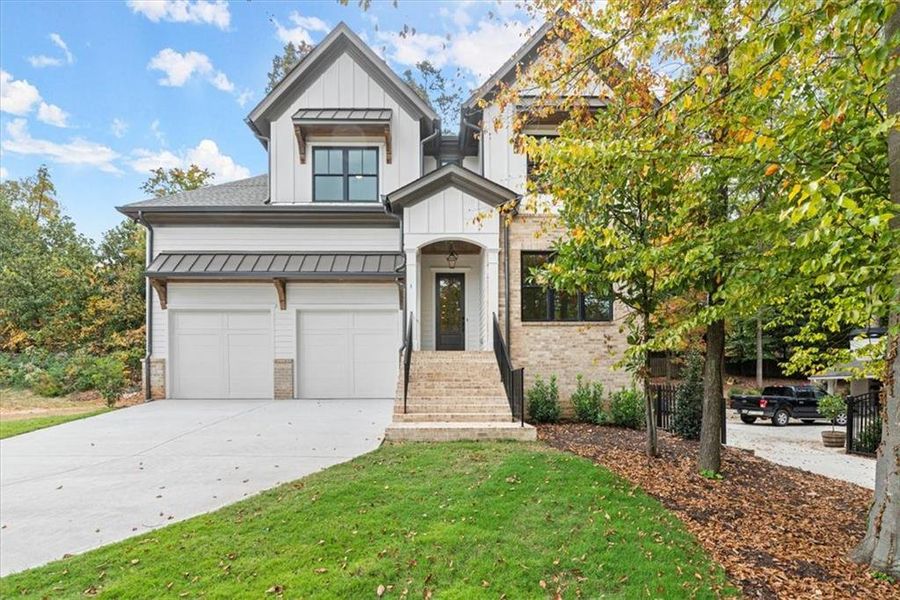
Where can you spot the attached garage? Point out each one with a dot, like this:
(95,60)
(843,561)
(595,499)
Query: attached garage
(347,353)
(221,354)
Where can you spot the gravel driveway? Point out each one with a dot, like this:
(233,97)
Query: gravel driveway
(800,445)
(83,484)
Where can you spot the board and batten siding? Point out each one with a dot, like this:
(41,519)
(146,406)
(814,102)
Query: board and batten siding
(344,84)
(451,213)
(262,296)
(269,239)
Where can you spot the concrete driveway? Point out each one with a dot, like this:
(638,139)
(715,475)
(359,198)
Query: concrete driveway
(800,445)
(87,483)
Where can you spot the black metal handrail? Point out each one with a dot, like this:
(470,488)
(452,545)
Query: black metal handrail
(513,379)
(663,395)
(407,357)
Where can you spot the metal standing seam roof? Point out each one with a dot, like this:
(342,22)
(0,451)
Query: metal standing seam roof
(276,264)
(343,114)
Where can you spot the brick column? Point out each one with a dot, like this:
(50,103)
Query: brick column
(157,378)
(284,378)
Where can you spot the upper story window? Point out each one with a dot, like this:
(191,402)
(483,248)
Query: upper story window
(345,174)
(541,303)
(533,164)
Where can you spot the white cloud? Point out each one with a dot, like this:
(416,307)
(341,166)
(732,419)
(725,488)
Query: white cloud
(42,60)
(58,41)
(206,155)
(479,51)
(182,11)
(52,115)
(181,68)
(3,173)
(157,132)
(300,32)
(76,151)
(244,97)
(118,127)
(17,96)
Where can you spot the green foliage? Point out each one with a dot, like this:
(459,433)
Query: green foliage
(543,400)
(588,400)
(689,398)
(831,407)
(744,391)
(626,409)
(165,182)
(282,63)
(869,438)
(444,95)
(108,378)
(710,474)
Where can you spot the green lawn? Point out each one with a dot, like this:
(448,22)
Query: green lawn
(458,520)
(17,426)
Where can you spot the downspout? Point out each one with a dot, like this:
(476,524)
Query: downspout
(480,143)
(400,281)
(436,123)
(148,301)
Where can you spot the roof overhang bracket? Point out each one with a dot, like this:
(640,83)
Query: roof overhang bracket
(162,291)
(280,289)
(373,129)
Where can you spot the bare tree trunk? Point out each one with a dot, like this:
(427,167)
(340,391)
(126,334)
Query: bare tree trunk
(759,353)
(710,458)
(880,548)
(652,442)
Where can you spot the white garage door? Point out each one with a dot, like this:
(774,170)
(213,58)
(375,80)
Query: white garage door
(348,354)
(221,354)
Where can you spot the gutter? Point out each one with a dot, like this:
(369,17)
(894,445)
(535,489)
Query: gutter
(148,301)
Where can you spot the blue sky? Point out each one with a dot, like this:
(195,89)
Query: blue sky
(103,91)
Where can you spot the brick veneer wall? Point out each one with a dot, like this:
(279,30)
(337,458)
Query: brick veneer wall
(284,378)
(157,378)
(563,349)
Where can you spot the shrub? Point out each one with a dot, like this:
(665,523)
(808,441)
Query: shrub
(46,383)
(869,438)
(626,409)
(587,400)
(543,400)
(831,407)
(739,391)
(109,378)
(689,399)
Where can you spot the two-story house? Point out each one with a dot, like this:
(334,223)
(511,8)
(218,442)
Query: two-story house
(370,228)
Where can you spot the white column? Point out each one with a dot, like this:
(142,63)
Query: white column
(492,294)
(412,293)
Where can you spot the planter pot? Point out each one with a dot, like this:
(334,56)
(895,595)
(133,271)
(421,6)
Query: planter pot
(833,439)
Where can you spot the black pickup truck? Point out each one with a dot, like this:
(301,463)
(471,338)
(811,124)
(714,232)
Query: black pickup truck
(781,403)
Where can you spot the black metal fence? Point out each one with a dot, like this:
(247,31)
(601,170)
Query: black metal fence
(513,379)
(664,407)
(864,423)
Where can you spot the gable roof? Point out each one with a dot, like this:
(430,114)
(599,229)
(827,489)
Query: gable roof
(339,41)
(450,175)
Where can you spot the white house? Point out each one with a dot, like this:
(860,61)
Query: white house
(303,282)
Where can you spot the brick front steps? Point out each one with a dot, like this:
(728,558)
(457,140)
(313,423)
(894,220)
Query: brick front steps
(454,396)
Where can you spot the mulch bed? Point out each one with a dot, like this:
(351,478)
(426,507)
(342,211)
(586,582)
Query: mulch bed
(779,532)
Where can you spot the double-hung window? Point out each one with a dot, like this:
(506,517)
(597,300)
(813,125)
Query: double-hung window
(540,303)
(345,174)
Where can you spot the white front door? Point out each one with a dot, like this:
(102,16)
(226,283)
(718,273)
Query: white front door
(348,353)
(221,354)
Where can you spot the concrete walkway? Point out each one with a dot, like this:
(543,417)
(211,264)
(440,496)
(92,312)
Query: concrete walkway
(87,483)
(800,445)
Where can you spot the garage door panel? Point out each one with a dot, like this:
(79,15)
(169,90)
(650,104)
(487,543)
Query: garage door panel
(348,354)
(222,354)
(199,372)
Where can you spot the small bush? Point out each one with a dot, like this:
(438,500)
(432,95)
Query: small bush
(689,399)
(626,409)
(739,391)
(869,438)
(588,400)
(543,400)
(109,378)
(831,407)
